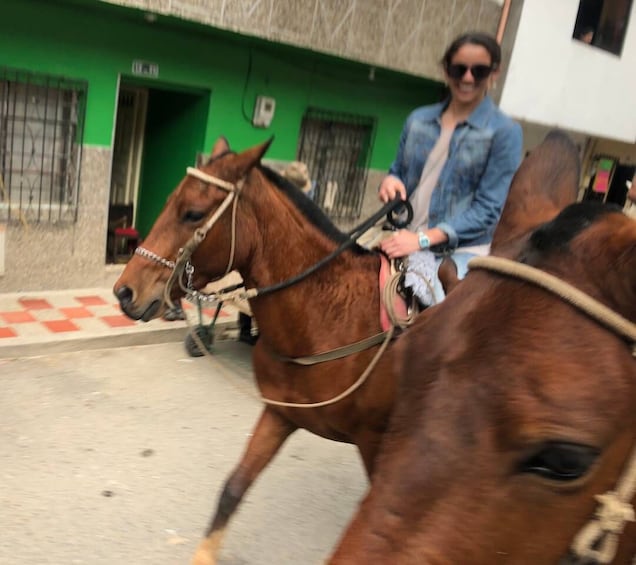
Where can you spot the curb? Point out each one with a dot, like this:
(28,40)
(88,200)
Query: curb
(71,343)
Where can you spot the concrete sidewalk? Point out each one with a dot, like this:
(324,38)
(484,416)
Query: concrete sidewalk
(38,323)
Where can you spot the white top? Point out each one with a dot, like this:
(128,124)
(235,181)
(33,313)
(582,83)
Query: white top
(421,197)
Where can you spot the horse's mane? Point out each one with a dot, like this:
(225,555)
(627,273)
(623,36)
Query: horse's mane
(557,234)
(309,209)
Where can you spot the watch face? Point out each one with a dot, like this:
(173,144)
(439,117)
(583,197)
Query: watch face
(424,241)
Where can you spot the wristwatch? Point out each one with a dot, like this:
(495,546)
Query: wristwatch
(423,240)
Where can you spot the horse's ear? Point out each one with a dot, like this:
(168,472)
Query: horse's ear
(545,183)
(619,279)
(221,146)
(251,157)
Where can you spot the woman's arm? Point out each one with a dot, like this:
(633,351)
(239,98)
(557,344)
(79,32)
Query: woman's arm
(492,190)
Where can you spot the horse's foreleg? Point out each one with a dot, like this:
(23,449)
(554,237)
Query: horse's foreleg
(268,436)
(368,445)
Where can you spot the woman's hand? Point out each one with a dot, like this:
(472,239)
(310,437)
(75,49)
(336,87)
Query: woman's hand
(405,242)
(391,187)
(401,244)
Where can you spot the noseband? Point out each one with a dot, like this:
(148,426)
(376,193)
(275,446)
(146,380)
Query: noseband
(182,264)
(597,542)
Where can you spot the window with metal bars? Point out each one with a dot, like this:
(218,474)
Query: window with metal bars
(41,130)
(336,148)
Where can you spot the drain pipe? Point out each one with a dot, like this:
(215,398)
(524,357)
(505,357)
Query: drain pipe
(503,20)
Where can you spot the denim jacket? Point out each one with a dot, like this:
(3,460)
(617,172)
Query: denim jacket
(470,193)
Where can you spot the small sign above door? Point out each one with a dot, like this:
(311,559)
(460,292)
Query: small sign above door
(145,68)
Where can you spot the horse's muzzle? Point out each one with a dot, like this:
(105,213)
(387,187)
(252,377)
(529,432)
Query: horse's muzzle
(125,296)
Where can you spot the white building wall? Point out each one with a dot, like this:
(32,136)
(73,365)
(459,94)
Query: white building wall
(557,81)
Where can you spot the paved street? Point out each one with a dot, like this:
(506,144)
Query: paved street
(117,456)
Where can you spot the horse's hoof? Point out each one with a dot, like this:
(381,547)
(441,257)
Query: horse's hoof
(206,552)
(205,336)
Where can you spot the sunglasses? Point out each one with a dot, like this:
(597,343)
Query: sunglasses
(479,72)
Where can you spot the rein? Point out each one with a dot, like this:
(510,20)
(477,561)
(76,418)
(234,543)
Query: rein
(597,541)
(353,235)
(388,336)
(332,354)
(182,263)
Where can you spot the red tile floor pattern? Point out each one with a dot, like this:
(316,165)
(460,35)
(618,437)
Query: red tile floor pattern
(65,312)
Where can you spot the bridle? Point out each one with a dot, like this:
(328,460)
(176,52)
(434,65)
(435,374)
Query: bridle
(597,542)
(182,263)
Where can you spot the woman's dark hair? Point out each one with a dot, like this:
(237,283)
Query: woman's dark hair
(488,42)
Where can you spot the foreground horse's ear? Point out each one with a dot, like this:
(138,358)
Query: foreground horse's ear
(619,279)
(546,182)
(221,146)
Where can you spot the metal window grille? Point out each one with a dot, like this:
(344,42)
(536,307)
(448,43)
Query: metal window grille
(336,148)
(41,131)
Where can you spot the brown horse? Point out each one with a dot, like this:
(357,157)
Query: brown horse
(279,233)
(516,411)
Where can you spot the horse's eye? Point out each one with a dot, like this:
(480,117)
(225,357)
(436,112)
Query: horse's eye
(561,461)
(192,216)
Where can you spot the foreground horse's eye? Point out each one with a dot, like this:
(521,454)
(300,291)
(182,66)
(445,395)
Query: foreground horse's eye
(192,216)
(561,461)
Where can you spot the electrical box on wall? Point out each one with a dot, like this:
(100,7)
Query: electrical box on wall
(263,111)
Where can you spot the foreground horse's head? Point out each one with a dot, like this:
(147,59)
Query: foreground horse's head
(516,410)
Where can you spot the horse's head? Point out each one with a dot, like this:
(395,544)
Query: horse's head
(533,414)
(516,409)
(199,219)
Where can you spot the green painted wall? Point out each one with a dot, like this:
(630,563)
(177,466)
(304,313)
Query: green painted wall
(97,42)
(175,129)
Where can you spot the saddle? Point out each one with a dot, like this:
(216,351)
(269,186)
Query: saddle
(396,313)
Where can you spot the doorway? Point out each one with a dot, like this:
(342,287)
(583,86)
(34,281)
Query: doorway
(617,192)
(158,133)
(132,106)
